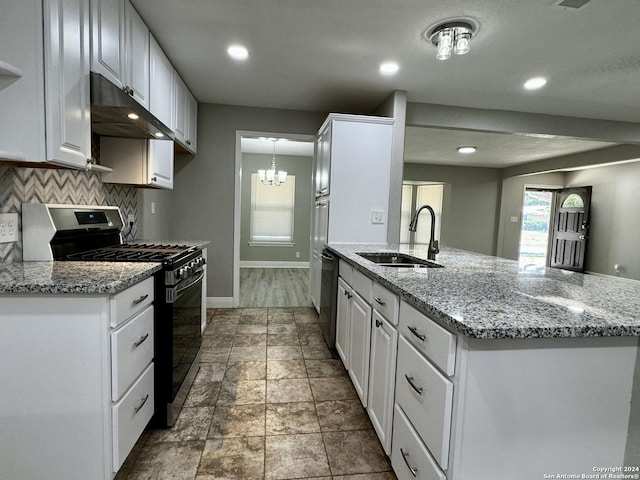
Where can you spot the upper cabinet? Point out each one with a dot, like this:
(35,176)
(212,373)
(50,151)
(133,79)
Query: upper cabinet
(45,103)
(120,47)
(161,84)
(185,116)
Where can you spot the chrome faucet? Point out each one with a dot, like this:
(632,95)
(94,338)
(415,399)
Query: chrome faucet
(433,244)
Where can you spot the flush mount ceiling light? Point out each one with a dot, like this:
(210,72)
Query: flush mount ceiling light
(238,52)
(451,36)
(535,83)
(389,68)
(467,149)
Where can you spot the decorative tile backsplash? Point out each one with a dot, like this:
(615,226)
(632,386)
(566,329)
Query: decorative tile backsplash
(43,185)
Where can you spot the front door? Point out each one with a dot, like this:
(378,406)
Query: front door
(570,228)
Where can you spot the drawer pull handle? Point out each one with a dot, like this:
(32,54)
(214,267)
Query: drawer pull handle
(414,331)
(141,299)
(349,296)
(413,385)
(379,301)
(142,402)
(378,323)
(141,341)
(413,470)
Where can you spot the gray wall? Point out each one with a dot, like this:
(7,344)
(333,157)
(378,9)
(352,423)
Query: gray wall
(470,204)
(203,195)
(614,234)
(293,165)
(155,226)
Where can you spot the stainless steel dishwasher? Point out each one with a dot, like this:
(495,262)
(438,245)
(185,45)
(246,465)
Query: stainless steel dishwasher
(328,291)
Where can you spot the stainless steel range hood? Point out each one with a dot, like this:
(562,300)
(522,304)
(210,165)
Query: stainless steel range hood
(111,109)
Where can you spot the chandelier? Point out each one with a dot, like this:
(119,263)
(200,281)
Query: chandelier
(271,177)
(452,36)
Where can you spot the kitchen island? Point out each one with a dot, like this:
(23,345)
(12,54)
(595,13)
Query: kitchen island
(501,374)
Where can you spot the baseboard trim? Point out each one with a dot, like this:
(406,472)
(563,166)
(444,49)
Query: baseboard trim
(219,302)
(272,264)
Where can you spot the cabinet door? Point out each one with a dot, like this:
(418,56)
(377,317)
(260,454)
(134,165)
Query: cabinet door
(137,56)
(160,84)
(359,343)
(323,161)
(343,312)
(107,40)
(66,60)
(160,166)
(179,124)
(382,378)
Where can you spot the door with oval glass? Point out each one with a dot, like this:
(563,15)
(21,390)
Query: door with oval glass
(570,228)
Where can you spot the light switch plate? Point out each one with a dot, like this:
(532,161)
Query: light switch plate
(514,219)
(377,216)
(8,227)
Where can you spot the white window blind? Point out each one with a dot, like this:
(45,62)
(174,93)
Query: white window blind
(272,212)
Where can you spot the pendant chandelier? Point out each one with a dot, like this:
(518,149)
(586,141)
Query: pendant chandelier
(271,176)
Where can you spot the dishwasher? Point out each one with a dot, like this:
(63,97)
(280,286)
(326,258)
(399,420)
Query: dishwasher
(328,292)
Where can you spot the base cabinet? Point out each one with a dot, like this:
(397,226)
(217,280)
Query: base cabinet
(63,412)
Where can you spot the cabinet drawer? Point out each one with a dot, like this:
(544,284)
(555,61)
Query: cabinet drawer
(409,457)
(426,397)
(363,285)
(131,351)
(345,271)
(386,303)
(131,415)
(438,344)
(130,301)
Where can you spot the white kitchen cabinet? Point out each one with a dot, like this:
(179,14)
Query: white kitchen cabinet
(57,382)
(161,84)
(343,310)
(359,345)
(185,123)
(382,377)
(323,160)
(120,47)
(138,161)
(44,97)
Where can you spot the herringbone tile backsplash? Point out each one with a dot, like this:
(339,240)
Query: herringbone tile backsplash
(40,185)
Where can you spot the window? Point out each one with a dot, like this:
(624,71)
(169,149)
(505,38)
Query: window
(413,197)
(272,212)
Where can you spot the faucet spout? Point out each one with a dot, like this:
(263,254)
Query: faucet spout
(413,225)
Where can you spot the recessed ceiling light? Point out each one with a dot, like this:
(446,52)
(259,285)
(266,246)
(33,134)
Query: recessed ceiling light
(238,52)
(133,116)
(467,149)
(389,68)
(159,134)
(535,83)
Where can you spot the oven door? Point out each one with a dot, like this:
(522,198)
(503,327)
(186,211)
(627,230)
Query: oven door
(182,327)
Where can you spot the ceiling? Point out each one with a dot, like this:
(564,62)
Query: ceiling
(323,55)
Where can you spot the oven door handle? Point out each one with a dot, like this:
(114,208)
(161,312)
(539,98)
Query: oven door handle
(174,293)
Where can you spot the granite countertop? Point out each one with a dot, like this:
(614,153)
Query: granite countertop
(72,277)
(488,297)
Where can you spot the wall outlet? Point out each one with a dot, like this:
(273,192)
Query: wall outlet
(131,219)
(514,219)
(297,254)
(8,227)
(377,216)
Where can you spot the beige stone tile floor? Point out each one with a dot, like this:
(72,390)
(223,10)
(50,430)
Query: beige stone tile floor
(270,402)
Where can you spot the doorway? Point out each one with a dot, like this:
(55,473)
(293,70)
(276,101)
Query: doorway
(271,238)
(537,208)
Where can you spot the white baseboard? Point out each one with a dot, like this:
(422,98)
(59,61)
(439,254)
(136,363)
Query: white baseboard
(219,302)
(272,264)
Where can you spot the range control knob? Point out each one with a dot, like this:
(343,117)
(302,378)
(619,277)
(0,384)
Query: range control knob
(181,273)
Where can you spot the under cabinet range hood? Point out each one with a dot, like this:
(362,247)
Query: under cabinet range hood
(114,113)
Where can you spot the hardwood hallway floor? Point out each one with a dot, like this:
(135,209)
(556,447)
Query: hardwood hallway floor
(274,287)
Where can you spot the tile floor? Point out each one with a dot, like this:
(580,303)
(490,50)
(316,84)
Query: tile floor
(269,402)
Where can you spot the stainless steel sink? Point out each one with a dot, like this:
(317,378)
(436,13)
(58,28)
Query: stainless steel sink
(397,260)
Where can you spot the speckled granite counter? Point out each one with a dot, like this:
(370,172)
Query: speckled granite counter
(487,297)
(72,277)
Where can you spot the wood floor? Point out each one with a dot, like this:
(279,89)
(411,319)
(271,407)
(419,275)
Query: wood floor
(274,287)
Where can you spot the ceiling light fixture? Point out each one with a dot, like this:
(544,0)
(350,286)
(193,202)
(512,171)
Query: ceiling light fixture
(269,177)
(451,36)
(238,52)
(389,68)
(133,116)
(467,149)
(535,83)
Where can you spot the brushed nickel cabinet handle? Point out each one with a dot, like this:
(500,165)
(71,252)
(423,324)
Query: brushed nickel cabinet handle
(378,323)
(414,331)
(413,470)
(413,385)
(379,301)
(141,404)
(141,341)
(141,299)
